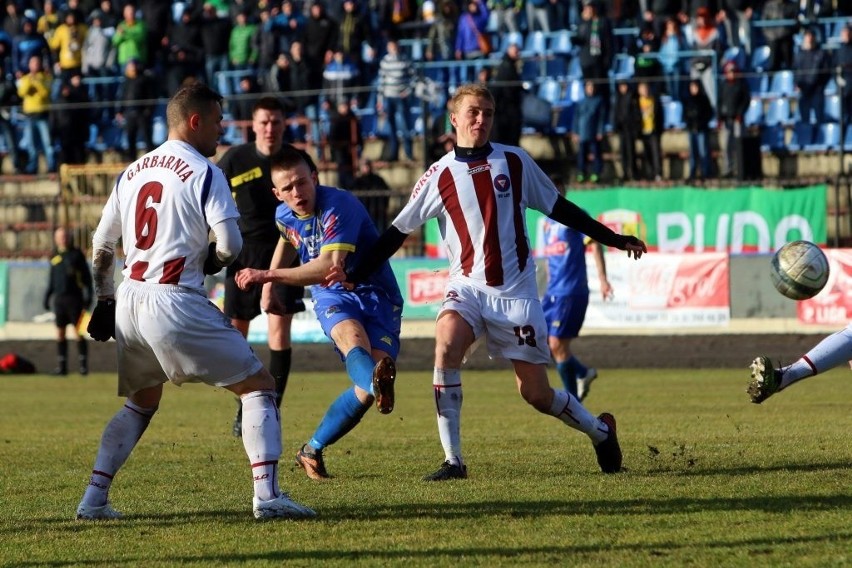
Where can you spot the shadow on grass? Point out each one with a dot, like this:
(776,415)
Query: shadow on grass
(473,510)
(689,465)
(440,556)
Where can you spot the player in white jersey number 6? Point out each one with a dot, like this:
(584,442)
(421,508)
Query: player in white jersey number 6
(163,207)
(479,192)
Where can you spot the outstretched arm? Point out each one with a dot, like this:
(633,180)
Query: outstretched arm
(384,248)
(569,214)
(313,272)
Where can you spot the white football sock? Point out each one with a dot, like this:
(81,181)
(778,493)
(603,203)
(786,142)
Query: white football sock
(569,410)
(829,353)
(119,438)
(448,402)
(262,441)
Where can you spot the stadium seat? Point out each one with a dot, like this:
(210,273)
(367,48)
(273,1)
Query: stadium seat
(782,84)
(673,115)
(624,67)
(576,93)
(736,55)
(772,138)
(565,120)
(754,114)
(556,65)
(830,87)
(832,108)
(827,137)
(551,91)
(159,132)
(778,112)
(804,135)
(847,140)
(760,58)
(536,43)
(560,43)
(574,69)
(512,37)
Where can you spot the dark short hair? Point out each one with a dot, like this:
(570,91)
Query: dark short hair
(272,104)
(188,100)
(290,157)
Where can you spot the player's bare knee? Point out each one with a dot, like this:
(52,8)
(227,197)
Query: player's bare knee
(260,381)
(363,396)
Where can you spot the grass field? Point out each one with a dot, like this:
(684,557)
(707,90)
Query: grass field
(710,478)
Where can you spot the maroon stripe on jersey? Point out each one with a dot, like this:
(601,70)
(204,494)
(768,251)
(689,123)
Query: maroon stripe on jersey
(261,464)
(172,269)
(492,255)
(450,197)
(516,176)
(137,270)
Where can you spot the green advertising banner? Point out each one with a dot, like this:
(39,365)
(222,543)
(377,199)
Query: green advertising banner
(686,219)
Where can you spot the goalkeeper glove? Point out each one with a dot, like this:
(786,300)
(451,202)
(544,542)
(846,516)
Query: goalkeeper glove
(102,324)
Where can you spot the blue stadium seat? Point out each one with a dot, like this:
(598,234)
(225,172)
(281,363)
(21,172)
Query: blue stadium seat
(847,140)
(536,43)
(623,67)
(673,115)
(782,84)
(760,58)
(754,114)
(512,37)
(778,112)
(551,91)
(772,138)
(574,69)
(556,66)
(832,108)
(736,55)
(565,120)
(159,132)
(827,138)
(369,122)
(804,134)
(830,87)
(560,43)
(576,93)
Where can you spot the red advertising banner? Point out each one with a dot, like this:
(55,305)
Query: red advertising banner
(834,304)
(665,290)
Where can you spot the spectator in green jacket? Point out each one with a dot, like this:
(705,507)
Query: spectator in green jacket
(241,49)
(130,39)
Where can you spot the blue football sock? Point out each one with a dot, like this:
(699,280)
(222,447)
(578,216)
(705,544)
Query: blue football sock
(580,370)
(359,365)
(344,414)
(569,379)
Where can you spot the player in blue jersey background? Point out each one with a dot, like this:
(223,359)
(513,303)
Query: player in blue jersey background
(566,299)
(329,227)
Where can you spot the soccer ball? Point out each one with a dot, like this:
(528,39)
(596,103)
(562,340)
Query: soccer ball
(799,270)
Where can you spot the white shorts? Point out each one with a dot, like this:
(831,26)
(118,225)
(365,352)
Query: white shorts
(514,328)
(176,334)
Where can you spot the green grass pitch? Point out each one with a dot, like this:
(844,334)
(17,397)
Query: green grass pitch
(710,478)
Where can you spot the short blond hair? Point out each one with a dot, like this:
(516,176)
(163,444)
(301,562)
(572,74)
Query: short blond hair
(471,89)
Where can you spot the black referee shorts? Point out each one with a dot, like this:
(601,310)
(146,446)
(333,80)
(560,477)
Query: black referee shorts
(245,305)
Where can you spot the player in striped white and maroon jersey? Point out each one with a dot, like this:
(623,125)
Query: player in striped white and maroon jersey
(479,193)
(163,207)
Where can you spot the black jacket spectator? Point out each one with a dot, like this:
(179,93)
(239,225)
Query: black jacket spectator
(595,38)
(734,97)
(319,38)
(508,93)
(697,110)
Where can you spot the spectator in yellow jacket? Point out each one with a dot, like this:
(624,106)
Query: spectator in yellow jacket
(34,90)
(68,41)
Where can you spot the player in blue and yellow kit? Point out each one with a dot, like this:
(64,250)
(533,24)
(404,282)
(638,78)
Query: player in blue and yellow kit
(566,299)
(329,227)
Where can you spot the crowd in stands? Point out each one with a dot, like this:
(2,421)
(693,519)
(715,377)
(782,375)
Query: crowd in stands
(633,68)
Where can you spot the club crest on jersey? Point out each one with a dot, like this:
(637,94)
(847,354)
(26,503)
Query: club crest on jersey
(502,184)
